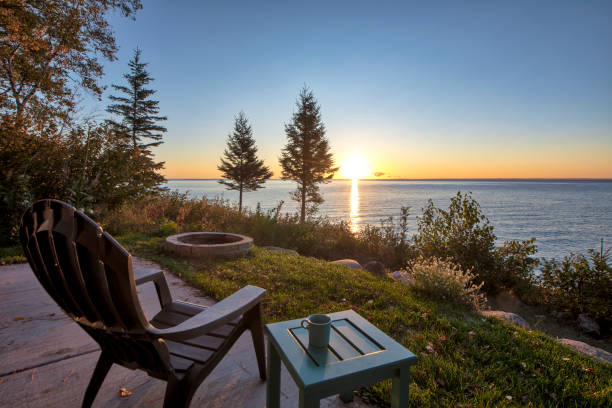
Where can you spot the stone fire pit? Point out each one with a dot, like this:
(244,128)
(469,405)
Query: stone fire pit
(209,244)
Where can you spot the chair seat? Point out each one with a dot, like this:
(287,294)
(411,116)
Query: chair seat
(197,350)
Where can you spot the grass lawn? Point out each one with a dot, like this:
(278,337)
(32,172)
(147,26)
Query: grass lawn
(464,359)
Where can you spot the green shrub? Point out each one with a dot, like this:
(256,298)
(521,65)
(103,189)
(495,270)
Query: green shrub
(579,286)
(516,266)
(464,235)
(447,282)
(461,233)
(162,214)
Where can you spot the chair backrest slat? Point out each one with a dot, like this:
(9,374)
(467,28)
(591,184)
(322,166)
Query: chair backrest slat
(90,276)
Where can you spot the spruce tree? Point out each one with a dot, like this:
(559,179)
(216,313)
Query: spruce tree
(240,167)
(138,113)
(306,158)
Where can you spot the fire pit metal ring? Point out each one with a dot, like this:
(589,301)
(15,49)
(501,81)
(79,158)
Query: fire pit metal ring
(209,244)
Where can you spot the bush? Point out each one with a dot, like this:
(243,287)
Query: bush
(464,235)
(579,286)
(461,233)
(445,280)
(163,214)
(516,268)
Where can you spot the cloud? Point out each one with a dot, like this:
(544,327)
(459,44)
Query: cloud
(379,174)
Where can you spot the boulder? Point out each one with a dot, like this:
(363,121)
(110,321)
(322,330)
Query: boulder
(351,263)
(279,249)
(402,277)
(587,324)
(375,267)
(511,317)
(587,349)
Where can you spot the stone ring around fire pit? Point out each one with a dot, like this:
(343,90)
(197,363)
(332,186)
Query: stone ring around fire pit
(209,244)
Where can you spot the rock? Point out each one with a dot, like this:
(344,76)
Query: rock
(587,349)
(587,324)
(375,267)
(351,263)
(279,249)
(402,277)
(511,317)
(561,315)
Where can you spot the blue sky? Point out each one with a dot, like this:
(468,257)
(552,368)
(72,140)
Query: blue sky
(417,89)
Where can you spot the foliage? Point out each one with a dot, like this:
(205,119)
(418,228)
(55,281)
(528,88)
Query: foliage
(461,233)
(306,158)
(579,286)
(318,237)
(444,280)
(46,44)
(516,266)
(138,113)
(11,255)
(464,360)
(240,167)
(90,167)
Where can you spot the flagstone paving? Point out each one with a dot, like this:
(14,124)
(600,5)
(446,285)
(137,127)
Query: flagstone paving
(46,360)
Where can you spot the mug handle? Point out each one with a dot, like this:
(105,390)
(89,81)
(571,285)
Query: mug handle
(302,324)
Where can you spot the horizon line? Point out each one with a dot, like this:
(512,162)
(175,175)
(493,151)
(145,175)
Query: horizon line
(436,179)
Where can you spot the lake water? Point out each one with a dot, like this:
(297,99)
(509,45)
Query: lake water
(563,215)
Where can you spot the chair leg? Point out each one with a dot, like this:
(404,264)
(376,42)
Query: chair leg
(104,364)
(179,393)
(255,323)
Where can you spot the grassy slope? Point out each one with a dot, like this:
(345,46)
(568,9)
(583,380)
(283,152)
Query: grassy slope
(465,360)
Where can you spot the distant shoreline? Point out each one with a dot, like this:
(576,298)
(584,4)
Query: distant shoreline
(440,179)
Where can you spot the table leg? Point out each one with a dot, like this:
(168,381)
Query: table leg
(400,387)
(347,396)
(274,370)
(308,401)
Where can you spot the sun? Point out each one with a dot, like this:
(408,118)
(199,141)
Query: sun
(355,167)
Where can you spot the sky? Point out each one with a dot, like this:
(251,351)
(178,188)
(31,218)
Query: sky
(436,89)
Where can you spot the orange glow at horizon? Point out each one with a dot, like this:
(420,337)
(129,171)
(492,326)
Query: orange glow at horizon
(433,162)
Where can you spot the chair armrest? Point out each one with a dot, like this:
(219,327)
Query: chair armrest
(159,279)
(226,310)
(146,275)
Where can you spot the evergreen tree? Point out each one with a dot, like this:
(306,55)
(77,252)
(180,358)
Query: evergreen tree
(306,158)
(240,167)
(137,112)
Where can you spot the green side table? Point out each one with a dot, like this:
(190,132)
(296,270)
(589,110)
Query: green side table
(358,354)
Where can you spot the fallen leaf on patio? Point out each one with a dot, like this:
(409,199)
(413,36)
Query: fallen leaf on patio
(124,392)
(18,318)
(72,372)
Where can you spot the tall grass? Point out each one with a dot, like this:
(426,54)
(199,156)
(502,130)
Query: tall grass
(318,237)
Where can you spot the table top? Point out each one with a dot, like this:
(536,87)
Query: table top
(355,346)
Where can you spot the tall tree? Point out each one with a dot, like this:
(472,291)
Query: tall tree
(138,113)
(240,167)
(306,158)
(45,45)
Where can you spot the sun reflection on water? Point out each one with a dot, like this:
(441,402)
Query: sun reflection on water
(354,214)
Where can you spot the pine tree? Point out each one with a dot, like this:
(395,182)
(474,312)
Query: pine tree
(306,158)
(137,112)
(240,167)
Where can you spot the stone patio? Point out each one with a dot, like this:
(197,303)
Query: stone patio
(46,360)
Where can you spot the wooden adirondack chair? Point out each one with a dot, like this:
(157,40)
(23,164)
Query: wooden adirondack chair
(90,276)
